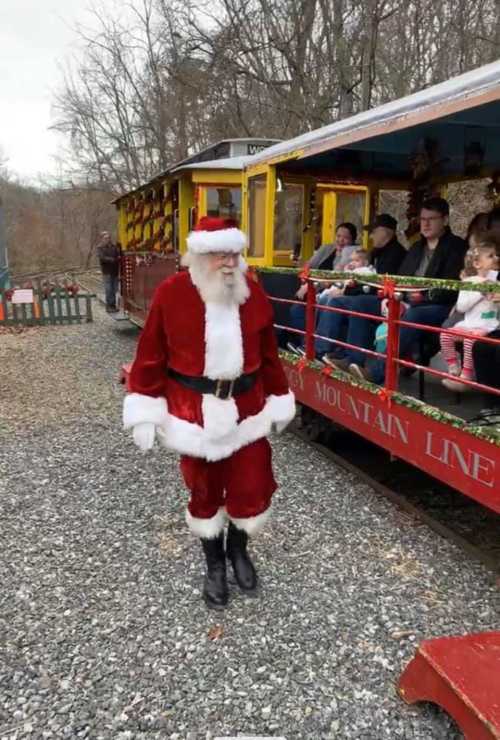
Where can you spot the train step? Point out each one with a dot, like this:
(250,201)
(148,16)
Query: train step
(461,675)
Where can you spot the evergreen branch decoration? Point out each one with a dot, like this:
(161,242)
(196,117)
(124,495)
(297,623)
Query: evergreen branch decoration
(400,282)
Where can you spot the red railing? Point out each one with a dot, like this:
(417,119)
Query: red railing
(389,291)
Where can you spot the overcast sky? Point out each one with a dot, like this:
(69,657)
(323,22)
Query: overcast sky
(35,37)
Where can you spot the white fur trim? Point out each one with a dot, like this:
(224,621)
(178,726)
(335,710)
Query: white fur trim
(223,240)
(281,408)
(138,408)
(191,439)
(223,341)
(206,528)
(252,524)
(219,416)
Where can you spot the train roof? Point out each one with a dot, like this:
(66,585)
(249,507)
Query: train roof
(197,161)
(467,102)
(228,163)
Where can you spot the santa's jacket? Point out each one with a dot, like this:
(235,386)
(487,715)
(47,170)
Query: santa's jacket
(213,340)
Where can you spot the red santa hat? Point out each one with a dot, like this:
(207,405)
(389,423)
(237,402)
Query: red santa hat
(214,234)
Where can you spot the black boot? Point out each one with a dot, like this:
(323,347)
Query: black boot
(236,550)
(215,585)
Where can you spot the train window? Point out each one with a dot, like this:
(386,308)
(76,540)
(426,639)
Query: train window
(351,208)
(288,218)
(224,202)
(256,215)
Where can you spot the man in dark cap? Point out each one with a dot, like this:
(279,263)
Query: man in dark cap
(387,254)
(386,257)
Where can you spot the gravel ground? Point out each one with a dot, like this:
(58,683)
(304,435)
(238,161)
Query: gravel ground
(102,630)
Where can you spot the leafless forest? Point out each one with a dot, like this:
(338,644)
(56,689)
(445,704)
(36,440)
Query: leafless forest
(165,77)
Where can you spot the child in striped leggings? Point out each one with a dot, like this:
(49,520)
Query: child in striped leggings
(480,313)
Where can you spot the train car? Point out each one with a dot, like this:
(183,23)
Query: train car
(417,146)
(289,197)
(154,220)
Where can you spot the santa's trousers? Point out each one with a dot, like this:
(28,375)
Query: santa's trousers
(238,488)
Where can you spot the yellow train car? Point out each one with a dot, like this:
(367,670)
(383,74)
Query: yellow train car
(155,219)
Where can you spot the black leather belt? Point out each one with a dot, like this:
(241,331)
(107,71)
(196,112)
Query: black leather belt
(222,389)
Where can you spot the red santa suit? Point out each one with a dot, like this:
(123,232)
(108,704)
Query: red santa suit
(226,460)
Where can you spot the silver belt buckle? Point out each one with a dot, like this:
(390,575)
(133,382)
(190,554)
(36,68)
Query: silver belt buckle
(219,389)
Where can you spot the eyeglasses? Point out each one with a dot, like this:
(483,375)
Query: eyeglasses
(223,256)
(430,219)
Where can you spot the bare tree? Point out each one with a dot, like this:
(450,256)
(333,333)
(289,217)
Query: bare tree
(183,74)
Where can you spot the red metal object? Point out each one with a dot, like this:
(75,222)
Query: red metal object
(141,274)
(391,366)
(453,455)
(461,675)
(310,319)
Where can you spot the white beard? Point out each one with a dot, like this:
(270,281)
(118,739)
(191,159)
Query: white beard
(229,288)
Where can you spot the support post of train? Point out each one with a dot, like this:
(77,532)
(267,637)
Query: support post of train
(393,316)
(310,320)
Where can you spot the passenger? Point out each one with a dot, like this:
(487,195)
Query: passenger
(386,257)
(328,257)
(359,265)
(438,254)
(480,313)
(382,329)
(476,228)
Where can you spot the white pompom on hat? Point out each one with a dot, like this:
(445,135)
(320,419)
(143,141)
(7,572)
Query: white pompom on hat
(213,234)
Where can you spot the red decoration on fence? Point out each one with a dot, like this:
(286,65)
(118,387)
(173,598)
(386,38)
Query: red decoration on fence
(302,363)
(385,395)
(389,288)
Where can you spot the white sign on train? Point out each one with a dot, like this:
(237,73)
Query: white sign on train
(22,295)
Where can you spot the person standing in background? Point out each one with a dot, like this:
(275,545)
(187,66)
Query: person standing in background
(108,254)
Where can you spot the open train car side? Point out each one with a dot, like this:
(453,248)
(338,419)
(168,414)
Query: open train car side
(420,144)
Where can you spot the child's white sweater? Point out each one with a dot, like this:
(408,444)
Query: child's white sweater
(480,313)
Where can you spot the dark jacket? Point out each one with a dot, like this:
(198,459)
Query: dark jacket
(387,260)
(446,263)
(109,257)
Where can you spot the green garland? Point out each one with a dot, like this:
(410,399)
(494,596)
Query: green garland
(490,435)
(399,281)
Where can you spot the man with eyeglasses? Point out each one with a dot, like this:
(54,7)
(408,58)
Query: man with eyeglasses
(208,383)
(438,254)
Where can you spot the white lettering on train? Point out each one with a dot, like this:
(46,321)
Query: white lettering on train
(471,463)
(295,379)
(389,424)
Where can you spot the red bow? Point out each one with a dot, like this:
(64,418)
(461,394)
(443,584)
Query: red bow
(302,363)
(385,395)
(252,274)
(389,287)
(304,275)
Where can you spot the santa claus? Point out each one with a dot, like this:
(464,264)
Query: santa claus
(208,383)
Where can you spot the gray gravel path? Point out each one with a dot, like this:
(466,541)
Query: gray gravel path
(102,630)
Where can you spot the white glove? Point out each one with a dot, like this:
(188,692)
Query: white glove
(144,435)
